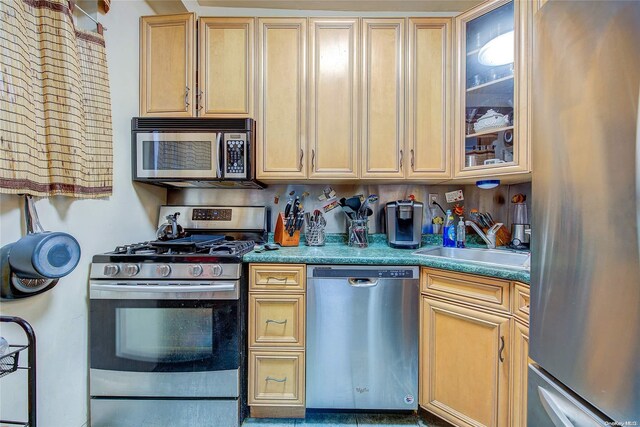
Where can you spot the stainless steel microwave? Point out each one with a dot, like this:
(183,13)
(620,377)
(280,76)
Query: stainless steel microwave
(194,152)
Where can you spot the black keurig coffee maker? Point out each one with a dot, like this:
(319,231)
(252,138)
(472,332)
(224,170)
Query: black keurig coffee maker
(404,224)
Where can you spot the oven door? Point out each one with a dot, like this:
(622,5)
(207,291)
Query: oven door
(181,155)
(157,340)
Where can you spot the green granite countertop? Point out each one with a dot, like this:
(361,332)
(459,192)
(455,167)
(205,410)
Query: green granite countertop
(336,251)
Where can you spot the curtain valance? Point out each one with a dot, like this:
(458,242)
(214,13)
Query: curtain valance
(55,107)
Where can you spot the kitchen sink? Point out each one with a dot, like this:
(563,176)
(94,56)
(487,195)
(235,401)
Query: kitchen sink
(502,258)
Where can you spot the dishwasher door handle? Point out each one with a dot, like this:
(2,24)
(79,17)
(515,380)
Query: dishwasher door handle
(362,283)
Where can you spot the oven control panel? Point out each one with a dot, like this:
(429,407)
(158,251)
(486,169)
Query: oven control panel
(235,155)
(211,214)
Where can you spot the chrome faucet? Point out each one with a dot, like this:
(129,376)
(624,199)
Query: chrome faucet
(490,237)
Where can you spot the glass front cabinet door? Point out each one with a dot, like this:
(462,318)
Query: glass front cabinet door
(492,96)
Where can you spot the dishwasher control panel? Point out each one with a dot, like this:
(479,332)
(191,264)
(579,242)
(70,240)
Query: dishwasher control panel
(363,272)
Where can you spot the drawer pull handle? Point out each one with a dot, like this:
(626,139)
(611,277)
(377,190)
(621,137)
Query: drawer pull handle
(500,356)
(279,279)
(279,322)
(284,380)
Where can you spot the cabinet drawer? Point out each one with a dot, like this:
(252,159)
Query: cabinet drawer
(521,302)
(276,378)
(466,288)
(277,277)
(276,320)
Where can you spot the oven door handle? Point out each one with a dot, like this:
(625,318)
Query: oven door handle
(114,290)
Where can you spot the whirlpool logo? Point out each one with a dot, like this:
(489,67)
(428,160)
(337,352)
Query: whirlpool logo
(362,390)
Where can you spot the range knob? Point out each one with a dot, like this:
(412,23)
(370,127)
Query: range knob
(163,270)
(131,269)
(196,270)
(111,270)
(216,270)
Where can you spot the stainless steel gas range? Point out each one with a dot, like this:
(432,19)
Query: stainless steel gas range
(167,323)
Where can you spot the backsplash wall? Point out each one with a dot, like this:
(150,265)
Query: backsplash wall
(496,201)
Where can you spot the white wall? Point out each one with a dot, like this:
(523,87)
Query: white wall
(60,316)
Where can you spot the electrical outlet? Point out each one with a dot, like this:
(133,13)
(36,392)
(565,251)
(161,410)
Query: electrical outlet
(433,197)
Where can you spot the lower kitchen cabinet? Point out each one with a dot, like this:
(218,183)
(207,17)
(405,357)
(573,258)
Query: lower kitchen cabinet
(276,378)
(519,369)
(276,336)
(464,364)
(277,320)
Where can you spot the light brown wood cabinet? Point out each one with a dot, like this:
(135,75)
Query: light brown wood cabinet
(226,67)
(282,100)
(276,378)
(276,334)
(278,320)
(485,86)
(473,349)
(167,65)
(464,365)
(348,98)
(383,98)
(225,78)
(357,99)
(334,134)
(430,95)
(519,369)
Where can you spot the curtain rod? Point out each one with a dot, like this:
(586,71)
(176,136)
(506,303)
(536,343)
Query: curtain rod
(75,5)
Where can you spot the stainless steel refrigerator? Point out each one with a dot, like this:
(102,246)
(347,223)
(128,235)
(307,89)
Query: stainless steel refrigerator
(585,290)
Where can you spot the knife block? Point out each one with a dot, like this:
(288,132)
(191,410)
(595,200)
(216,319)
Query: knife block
(281,235)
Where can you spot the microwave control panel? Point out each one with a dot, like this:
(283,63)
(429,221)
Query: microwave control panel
(235,155)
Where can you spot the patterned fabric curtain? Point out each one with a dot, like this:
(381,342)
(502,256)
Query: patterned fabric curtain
(55,107)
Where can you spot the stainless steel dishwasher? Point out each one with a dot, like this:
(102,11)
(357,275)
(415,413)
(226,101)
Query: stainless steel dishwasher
(362,337)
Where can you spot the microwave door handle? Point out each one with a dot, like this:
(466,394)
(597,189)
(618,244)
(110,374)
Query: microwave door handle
(220,155)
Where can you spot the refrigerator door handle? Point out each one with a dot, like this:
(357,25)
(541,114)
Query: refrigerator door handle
(638,174)
(552,407)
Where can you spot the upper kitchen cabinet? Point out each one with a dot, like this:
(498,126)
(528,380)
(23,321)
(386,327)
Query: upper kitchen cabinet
(282,103)
(167,71)
(383,90)
(492,89)
(333,98)
(225,69)
(428,139)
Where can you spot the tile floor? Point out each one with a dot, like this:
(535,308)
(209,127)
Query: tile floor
(344,419)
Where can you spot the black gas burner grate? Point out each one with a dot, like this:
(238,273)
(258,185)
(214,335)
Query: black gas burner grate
(143,248)
(235,247)
(220,248)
